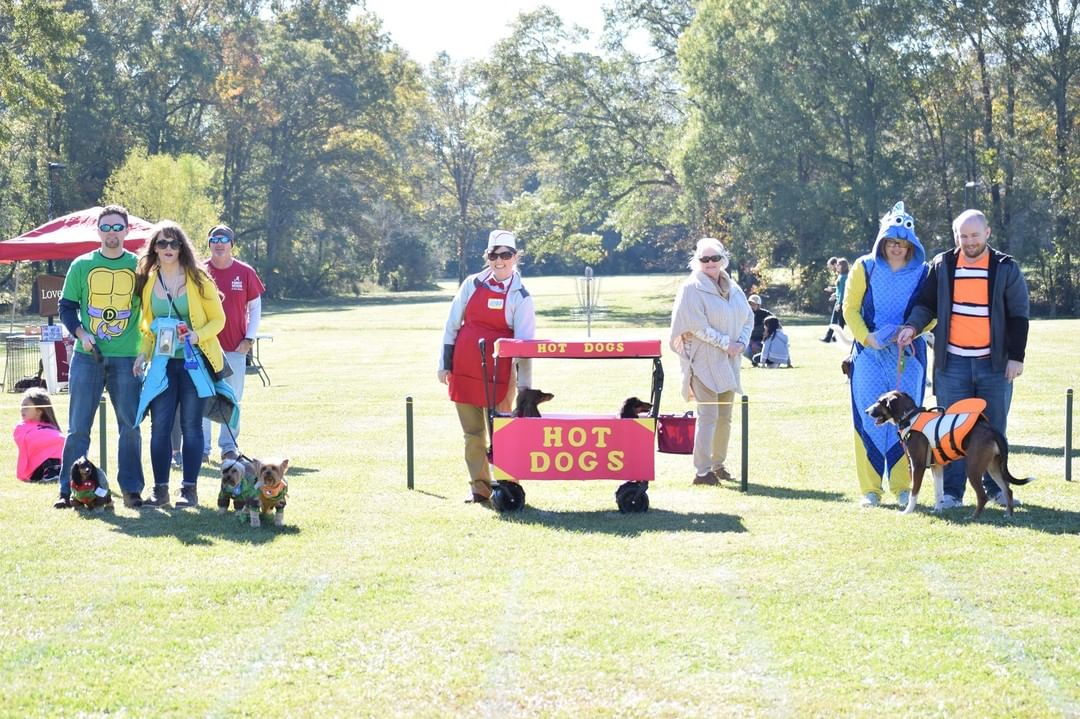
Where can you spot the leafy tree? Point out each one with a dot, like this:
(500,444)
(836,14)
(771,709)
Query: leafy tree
(162,187)
(598,130)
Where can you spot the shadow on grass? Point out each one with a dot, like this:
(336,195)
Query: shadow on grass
(1030,516)
(628,525)
(763,490)
(202,526)
(1041,451)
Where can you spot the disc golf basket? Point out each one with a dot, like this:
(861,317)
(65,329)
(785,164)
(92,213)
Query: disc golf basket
(588,296)
(575,447)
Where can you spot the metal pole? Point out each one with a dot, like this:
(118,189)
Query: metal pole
(1068,434)
(588,301)
(744,484)
(103,455)
(408,442)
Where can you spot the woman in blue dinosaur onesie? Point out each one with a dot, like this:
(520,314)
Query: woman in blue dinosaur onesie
(880,290)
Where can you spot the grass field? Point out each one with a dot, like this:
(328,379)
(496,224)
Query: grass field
(373,600)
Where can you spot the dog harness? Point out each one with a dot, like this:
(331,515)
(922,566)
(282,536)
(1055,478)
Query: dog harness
(944,429)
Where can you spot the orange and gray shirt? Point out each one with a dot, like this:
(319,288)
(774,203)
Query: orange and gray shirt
(945,430)
(969,323)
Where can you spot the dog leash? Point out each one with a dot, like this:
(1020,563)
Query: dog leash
(899,367)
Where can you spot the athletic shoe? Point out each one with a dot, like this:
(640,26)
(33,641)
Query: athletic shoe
(62,502)
(229,454)
(999,500)
(950,502)
(902,499)
(870,499)
(721,472)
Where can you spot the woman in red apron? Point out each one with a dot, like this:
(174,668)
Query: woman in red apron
(489,305)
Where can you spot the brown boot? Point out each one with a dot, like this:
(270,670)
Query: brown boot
(159,496)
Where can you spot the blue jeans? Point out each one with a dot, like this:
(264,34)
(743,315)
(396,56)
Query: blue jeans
(181,393)
(965,377)
(87,380)
(237,362)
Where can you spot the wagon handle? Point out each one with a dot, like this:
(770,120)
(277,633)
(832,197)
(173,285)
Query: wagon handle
(487,393)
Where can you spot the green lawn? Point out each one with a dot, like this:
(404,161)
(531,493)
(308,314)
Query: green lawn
(373,600)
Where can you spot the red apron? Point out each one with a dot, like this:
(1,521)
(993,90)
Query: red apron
(485,318)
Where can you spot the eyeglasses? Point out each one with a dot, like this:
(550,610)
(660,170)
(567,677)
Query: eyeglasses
(711,258)
(219,240)
(504,255)
(171,244)
(118,227)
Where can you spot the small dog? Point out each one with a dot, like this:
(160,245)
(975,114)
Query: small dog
(238,487)
(526,404)
(89,487)
(984,448)
(634,407)
(272,490)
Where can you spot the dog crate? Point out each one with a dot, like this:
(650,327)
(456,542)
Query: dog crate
(575,447)
(22,362)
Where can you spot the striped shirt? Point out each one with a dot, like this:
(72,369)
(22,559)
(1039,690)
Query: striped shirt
(969,324)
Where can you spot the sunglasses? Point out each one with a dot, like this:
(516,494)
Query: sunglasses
(711,258)
(504,255)
(112,228)
(219,240)
(171,244)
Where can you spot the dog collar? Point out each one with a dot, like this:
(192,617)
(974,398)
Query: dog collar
(906,420)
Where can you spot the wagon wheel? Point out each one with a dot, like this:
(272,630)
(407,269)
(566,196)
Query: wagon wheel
(508,497)
(632,497)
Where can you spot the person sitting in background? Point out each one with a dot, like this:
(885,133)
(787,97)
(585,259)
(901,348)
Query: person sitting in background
(38,439)
(757,334)
(774,350)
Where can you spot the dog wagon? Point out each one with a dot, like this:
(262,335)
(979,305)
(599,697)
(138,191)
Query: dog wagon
(575,447)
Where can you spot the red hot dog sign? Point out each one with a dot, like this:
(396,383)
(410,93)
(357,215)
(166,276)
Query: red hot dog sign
(573,448)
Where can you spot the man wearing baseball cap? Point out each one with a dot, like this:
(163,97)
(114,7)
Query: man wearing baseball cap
(242,290)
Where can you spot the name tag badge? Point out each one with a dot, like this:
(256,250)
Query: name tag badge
(495,303)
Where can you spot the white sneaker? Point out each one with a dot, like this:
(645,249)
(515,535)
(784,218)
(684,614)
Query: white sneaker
(903,498)
(999,500)
(950,502)
(870,500)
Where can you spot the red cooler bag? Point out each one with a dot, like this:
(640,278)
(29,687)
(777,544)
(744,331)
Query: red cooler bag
(675,433)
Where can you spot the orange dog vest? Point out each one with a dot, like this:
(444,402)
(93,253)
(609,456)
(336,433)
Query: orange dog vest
(946,429)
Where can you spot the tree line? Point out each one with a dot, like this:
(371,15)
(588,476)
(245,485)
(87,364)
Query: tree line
(784,127)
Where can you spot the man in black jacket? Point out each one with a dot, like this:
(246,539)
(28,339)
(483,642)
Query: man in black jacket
(980,300)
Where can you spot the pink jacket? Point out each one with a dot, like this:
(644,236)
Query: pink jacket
(36,443)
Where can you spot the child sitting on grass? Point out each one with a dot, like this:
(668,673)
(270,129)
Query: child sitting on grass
(38,439)
(774,347)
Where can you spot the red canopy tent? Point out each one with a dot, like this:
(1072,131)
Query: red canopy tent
(67,237)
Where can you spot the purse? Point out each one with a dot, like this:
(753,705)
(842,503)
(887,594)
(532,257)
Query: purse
(675,433)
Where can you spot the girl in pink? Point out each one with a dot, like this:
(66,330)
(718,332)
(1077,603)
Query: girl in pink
(38,439)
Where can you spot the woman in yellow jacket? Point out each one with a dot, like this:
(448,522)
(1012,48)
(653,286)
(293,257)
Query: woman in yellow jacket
(181,310)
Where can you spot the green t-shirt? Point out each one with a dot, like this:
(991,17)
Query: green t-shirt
(104,289)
